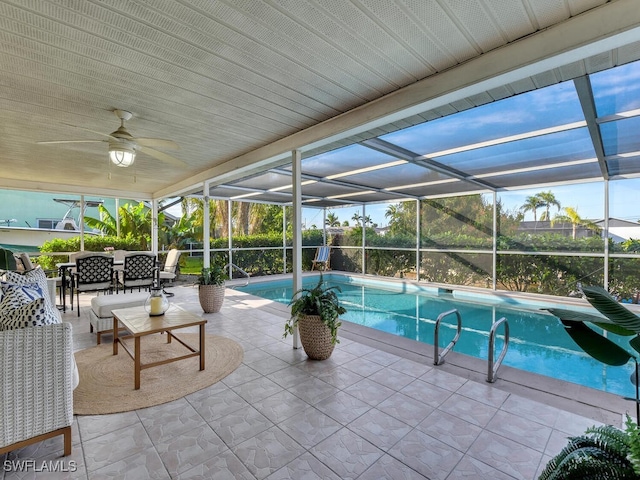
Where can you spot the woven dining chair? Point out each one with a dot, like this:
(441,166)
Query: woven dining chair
(94,273)
(140,270)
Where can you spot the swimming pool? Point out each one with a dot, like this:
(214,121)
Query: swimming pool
(538,342)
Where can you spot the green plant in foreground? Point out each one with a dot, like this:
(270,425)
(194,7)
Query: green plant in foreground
(616,319)
(319,300)
(213,275)
(603,452)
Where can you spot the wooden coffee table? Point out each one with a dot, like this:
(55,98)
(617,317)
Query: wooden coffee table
(138,322)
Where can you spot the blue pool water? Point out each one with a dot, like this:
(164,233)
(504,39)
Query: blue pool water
(538,342)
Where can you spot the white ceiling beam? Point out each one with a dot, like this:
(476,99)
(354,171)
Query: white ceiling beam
(35,186)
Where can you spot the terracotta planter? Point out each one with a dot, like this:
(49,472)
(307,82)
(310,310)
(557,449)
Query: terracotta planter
(211,297)
(315,337)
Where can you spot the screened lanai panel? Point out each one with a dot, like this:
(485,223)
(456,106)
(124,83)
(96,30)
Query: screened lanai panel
(226,192)
(399,175)
(621,136)
(582,171)
(328,190)
(539,109)
(342,160)
(452,188)
(373,197)
(223,191)
(553,148)
(265,181)
(626,165)
(616,90)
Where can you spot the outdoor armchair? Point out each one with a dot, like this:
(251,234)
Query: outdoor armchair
(322,258)
(170,269)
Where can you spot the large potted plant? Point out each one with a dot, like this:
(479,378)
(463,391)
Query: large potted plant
(316,311)
(211,288)
(602,452)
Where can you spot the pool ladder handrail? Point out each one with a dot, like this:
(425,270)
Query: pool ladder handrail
(438,359)
(492,367)
(233,265)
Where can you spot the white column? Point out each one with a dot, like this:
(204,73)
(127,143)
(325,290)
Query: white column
(284,239)
(229,237)
(364,237)
(418,231)
(81,224)
(206,227)
(605,236)
(296,179)
(118,217)
(154,226)
(494,263)
(324,226)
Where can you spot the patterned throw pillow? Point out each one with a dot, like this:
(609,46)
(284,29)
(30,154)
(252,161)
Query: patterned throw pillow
(36,275)
(32,314)
(15,297)
(27,291)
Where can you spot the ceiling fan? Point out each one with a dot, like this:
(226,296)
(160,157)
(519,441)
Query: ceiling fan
(123,146)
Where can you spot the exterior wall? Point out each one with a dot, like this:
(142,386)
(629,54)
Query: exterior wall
(27,207)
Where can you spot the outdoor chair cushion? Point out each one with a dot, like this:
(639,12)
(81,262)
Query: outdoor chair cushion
(102,305)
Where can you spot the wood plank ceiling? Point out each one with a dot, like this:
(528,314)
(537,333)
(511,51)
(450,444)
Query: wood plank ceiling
(238,84)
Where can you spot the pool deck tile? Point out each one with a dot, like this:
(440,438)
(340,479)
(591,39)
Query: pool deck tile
(378,408)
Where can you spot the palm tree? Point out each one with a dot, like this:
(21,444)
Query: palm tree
(571,216)
(532,204)
(135,220)
(394,213)
(193,208)
(332,220)
(547,199)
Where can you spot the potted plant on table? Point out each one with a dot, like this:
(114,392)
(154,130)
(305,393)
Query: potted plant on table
(316,311)
(211,287)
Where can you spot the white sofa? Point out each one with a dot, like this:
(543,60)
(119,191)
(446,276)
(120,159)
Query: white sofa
(38,378)
(38,375)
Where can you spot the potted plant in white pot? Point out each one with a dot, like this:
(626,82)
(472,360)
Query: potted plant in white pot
(211,287)
(316,311)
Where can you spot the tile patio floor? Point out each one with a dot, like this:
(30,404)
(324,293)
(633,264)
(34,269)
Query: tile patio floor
(376,409)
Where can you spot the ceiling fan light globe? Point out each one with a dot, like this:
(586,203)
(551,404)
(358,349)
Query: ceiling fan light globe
(122,157)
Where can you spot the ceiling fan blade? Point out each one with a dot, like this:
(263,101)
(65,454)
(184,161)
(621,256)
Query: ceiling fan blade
(72,141)
(162,156)
(102,134)
(157,143)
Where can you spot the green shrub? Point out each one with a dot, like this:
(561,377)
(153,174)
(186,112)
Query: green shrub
(91,244)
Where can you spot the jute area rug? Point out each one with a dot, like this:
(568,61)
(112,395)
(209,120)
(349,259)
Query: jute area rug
(106,381)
